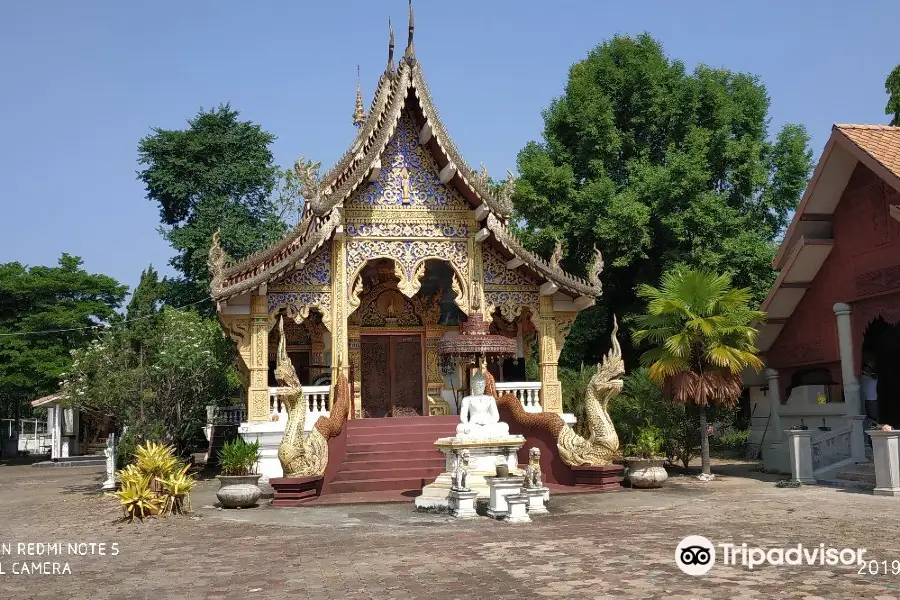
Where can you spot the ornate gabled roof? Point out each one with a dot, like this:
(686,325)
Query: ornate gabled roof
(325,197)
(549,270)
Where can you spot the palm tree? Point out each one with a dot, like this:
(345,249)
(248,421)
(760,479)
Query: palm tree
(702,334)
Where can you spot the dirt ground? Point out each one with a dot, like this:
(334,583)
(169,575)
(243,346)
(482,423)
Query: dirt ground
(615,545)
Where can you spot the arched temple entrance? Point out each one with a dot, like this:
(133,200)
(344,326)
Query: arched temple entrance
(393,339)
(880,357)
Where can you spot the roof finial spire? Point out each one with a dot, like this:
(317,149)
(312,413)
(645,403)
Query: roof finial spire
(412,27)
(359,115)
(390,65)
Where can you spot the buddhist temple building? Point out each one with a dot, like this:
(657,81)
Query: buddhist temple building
(398,243)
(831,339)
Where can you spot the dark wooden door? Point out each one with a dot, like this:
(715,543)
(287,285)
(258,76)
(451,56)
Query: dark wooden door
(391,374)
(406,351)
(375,356)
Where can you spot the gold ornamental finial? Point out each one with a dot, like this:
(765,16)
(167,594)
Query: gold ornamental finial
(412,27)
(359,115)
(390,65)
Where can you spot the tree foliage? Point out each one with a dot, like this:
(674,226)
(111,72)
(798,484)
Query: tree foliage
(48,299)
(657,167)
(892,87)
(163,392)
(702,338)
(218,173)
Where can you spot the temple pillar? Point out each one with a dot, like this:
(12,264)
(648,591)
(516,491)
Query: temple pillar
(433,377)
(774,457)
(852,398)
(551,388)
(317,350)
(774,406)
(353,347)
(258,408)
(340,354)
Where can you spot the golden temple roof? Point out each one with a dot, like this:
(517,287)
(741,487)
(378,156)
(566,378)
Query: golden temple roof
(398,90)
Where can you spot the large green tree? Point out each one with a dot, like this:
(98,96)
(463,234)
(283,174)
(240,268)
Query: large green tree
(218,173)
(657,167)
(892,87)
(45,313)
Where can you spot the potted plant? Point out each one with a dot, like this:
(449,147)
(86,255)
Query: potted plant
(644,465)
(238,484)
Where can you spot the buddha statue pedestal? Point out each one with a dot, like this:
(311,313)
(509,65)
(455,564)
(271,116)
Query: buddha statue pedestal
(485,442)
(484,456)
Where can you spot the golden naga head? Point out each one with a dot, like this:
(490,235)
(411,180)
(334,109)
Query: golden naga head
(611,370)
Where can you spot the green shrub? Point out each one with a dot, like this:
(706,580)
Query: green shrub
(732,442)
(237,457)
(641,404)
(649,443)
(135,436)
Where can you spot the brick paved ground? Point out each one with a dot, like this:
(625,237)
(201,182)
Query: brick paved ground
(594,546)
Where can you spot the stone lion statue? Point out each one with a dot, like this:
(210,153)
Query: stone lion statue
(533,477)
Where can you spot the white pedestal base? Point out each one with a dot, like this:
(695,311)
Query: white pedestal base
(462,504)
(499,489)
(517,509)
(483,457)
(801,455)
(536,498)
(270,435)
(886,450)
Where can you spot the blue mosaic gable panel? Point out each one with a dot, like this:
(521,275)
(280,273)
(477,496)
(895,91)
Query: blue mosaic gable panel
(425,187)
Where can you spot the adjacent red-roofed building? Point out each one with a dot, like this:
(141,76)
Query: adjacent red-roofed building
(833,304)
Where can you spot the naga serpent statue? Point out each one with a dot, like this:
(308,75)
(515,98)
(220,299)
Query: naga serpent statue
(601,446)
(299,456)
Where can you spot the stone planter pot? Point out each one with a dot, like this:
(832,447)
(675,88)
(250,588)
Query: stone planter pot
(502,471)
(645,473)
(238,491)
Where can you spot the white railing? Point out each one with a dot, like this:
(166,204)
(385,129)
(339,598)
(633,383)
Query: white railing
(225,415)
(831,448)
(318,403)
(528,393)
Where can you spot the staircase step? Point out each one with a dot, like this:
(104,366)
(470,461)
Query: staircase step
(392,454)
(856,476)
(375,485)
(68,462)
(394,462)
(387,454)
(397,446)
(428,473)
(354,424)
(407,435)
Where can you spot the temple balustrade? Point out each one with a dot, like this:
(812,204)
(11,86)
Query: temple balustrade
(318,398)
(528,393)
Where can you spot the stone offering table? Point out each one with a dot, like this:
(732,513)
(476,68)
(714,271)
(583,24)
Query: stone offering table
(483,459)
(500,488)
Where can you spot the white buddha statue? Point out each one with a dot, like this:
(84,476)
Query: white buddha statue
(479,417)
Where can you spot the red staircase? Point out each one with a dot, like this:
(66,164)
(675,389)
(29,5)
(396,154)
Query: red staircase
(395,453)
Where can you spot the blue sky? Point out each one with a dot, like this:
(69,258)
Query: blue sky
(82,82)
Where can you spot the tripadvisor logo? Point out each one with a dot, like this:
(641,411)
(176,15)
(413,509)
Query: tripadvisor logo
(696,555)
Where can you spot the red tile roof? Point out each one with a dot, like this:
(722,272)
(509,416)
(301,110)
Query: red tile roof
(881,142)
